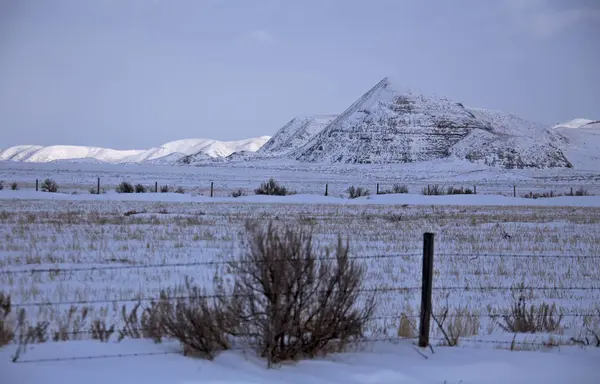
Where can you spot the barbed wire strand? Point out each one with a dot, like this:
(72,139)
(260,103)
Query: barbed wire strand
(58,270)
(367,290)
(186,264)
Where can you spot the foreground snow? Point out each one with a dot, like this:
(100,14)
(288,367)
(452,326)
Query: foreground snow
(382,363)
(389,199)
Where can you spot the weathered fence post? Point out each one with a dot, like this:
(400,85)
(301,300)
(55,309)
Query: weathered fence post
(98,187)
(426,289)
(377,189)
(515,190)
(428,190)
(474,189)
(326,189)
(36,185)
(212,185)
(571,191)
(156,187)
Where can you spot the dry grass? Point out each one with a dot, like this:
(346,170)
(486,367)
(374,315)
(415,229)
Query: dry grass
(52,234)
(524,318)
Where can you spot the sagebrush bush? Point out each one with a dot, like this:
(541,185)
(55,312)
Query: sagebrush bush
(49,185)
(164,189)
(523,318)
(581,192)
(271,187)
(432,190)
(354,192)
(396,189)
(125,187)
(14,186)
(291,302)
(1,185)
(542,195)
(179,190)
(139,188)
(238,193)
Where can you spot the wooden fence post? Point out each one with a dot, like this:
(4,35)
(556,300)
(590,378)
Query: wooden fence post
(36,185)
(377,189)
(474,189)
(571,191)
(515,190)
(426,289)
(98,187)
(156,187)
(212,184)
(326,189)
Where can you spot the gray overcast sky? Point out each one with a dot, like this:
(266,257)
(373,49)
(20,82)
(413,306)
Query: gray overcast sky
(138,73)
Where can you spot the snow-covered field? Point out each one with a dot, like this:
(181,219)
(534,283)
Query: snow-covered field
(302,178)
(98,253)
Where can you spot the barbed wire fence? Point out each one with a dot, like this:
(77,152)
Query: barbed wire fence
(422,322)
(224,187)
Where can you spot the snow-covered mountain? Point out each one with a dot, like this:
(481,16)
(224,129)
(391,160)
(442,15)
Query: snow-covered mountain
(582,146)
(295,134)
(166,153)
(389,124)
(576,123)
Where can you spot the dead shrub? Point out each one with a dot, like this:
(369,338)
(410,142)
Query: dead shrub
(581,192)
(432,190)
(523,318)
(179,190)
(164,189)
(100,331)
(456,324)
(238,193)
(203,324)
(7,332)
(272,187)
(354,192)
(139,188)
(14,186)
(49,185)
(459,191)
(591,336)
(396,189)
(290,302)
(125,187)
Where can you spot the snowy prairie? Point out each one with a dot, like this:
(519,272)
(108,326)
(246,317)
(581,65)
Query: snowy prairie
(63,254)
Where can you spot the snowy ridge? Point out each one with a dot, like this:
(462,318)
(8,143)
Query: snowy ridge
(576,123)
(166,153)
(295,134)
(582,142)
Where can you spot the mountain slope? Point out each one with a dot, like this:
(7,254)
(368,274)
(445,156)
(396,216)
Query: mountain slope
(576,123)
(582,145)
(295,134)
(166,153)
(391,125)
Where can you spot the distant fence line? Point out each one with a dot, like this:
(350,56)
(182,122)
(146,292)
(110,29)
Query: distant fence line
(448,188)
